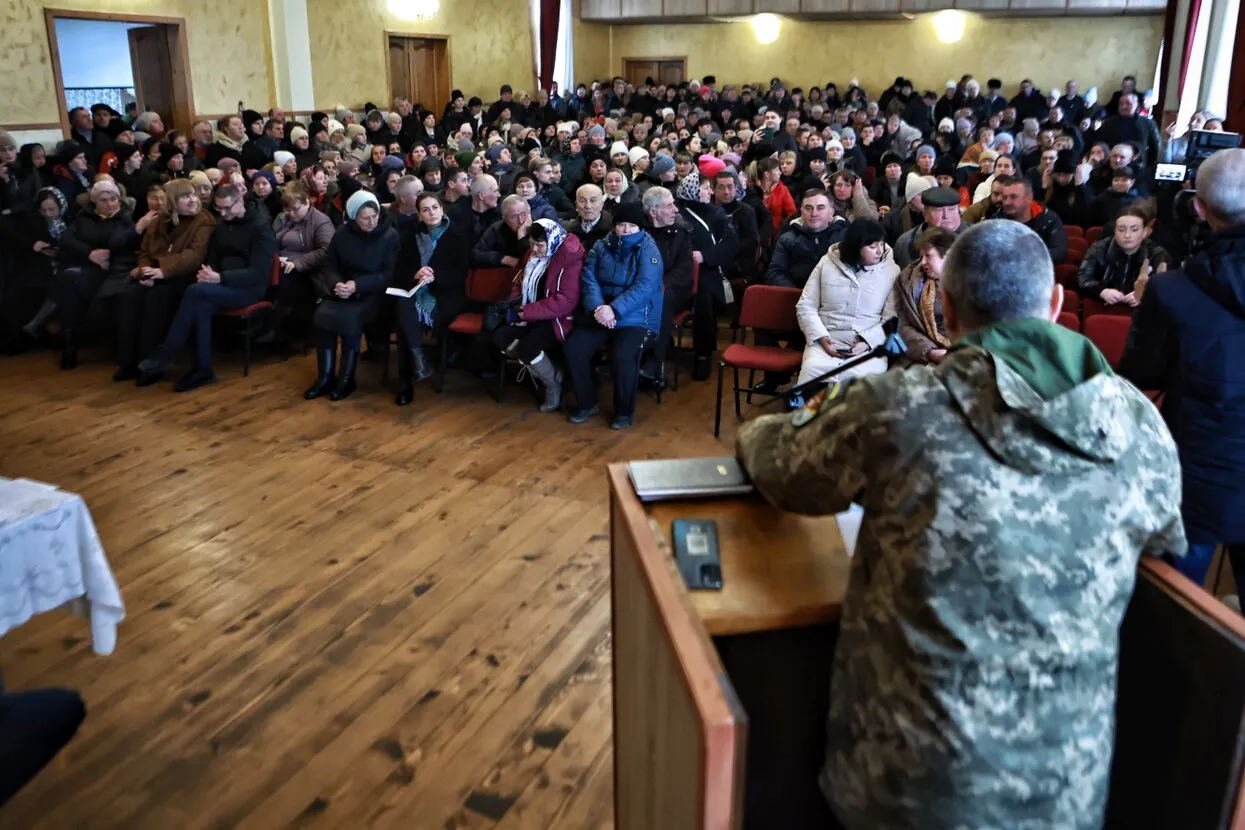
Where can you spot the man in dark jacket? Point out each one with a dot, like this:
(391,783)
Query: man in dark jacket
(714,247)
(949,104)
(1067,199)
(919,113)
(236,273)
(1129,127)
(1018,206)
(504,243)
(1190,323)
(542,169)
(1029,103)
(674,240)
(592,222)
(479,212)
(728,195)
(82,129)
(506,101)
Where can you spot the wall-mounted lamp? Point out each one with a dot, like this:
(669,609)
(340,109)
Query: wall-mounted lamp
(766,27)
(949,25)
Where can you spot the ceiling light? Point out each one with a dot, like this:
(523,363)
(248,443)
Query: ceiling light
(949,25)
(766,27)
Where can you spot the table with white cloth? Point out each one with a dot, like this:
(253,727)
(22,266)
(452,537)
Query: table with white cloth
(51,556)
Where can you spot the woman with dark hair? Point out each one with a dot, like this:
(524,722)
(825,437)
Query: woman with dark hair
(846,300)
(357,268)
(303,238)
(847,190)
(767,175)
(33,159)
(546,289)
(1117,267)
(918,302)
(263,187)
(440,280)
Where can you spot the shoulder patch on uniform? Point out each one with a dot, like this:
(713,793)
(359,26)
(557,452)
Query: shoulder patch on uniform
(816,405)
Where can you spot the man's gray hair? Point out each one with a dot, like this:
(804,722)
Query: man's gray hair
(1221,186)
(590,190)
(511,201)
(655,197)
(998,270)
(406,184)
(481,183)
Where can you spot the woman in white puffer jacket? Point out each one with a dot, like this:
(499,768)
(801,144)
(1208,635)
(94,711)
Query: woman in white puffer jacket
(845,302)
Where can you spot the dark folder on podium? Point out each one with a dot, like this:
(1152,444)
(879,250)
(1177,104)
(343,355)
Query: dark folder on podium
(688,478)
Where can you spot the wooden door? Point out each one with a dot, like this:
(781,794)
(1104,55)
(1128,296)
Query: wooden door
(153,71)
(666,71)
(635,71)
(419,69)
(671,72)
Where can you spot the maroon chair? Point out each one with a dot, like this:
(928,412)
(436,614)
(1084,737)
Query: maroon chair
(680,320)
(484,286)
(1076,250)
(1091,307)
(1074,231)
(1109,333)
(1092,235)
(870,176)
(763,307)
(248,313)
(1069,321)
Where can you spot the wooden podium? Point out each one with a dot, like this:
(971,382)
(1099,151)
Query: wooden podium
(720,697)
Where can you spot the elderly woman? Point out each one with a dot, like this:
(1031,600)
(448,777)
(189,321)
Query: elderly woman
(100,244)
(202,185)
(356,270)
(918,302)
(439,275)
(622,290)
(303,236)
(316,182)
(526,186)
(546,290)
(169,256)
(35,243)
(846,300)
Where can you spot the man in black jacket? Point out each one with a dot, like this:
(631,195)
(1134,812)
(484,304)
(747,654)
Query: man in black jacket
(920,113)
(1190,323)
(1129,127)
(1018,206)
(1029,103)
(592,222)
(714,247)
(674,240)
(478,213)
(728,195)
(236,273)
(506,101)
(504,243)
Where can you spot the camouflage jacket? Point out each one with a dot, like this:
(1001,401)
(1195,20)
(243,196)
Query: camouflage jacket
(974,679)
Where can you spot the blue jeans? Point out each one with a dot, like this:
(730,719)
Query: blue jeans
(198,305)
(1196,563)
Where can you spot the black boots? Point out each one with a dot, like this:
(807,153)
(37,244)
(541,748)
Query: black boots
(702,368)
(69,350)
(412,368)
(326,360)
(345,380)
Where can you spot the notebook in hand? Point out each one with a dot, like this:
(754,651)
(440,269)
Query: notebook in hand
(687,478)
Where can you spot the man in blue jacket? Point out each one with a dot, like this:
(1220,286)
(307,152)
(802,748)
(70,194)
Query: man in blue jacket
(622,289)
(1186,340)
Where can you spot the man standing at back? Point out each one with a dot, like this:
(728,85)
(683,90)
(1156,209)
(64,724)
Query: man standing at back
(1008,494)
(1188,340)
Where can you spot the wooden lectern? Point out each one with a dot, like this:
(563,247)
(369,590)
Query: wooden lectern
(720,697)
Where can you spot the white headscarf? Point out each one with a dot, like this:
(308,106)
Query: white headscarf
(536,266)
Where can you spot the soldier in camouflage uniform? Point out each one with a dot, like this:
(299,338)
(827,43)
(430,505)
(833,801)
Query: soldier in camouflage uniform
(1008,494)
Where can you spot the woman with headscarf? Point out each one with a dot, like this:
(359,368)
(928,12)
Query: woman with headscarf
(305,155)
(35,243)
(439,276)
(846,301)
(99,244)
(316,182)
(169,256)
(357,268)
(546,290)
(33,160)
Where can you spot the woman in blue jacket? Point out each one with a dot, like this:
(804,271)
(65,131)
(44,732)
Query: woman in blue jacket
(622,289)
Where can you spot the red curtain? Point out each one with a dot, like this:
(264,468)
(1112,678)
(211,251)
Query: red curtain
(1236,84)
(1195,9)
(550,15)
(1169,34)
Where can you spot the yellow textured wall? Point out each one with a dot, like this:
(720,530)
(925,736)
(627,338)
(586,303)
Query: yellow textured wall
(226,39)
(490,44)
(592,50)
(1096,51)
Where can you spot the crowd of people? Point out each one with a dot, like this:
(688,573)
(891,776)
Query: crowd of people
(618,206)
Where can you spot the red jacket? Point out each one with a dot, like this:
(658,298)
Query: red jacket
(561,295)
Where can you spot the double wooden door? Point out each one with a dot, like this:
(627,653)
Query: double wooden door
(419,69)
(668,71)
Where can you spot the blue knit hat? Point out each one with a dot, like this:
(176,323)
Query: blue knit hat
(926,150)
(391,163)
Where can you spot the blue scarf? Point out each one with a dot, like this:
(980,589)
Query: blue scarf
(425,302)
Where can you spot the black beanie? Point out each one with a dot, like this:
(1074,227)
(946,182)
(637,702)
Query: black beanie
(1066,162)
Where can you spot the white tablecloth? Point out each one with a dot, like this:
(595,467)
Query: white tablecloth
(50,556)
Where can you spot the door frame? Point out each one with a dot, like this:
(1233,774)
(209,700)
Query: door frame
(179,64)
(449,61)
(681,58)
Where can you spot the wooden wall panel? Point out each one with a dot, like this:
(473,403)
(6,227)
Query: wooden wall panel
(641,8)
(1039,5)
(981,5)
(825,6)
(926,5)
(685,8)
(730,6)
(777,6)
(600,9)
(876,6)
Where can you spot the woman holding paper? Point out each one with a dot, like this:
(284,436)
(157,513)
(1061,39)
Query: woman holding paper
(431,288)
(351,282)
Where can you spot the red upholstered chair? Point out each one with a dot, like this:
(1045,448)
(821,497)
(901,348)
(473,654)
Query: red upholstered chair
(249,313)
(1109,333)
(763,307)
(1065,275)
(1092,235)
(1075,231)
(680,320)
(484,286)
(870,176)
(1069,321)
(1092,307)
(1076,250)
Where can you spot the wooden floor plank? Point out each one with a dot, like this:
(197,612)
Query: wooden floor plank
(338,614)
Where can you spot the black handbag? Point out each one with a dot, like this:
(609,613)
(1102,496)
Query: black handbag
(498,314)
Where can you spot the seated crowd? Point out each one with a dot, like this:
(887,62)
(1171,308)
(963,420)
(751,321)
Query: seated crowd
(619,208)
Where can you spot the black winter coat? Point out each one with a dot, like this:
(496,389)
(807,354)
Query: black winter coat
(713,235)
(799,250)
(90,231)
(1186,340)
(450,263)
(744,218)
(675,243)
(496,242)
(1049,226)
(367,258)
(1071,204)
(590,238)
(242,251)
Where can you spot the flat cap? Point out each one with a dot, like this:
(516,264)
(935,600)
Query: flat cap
(940,197)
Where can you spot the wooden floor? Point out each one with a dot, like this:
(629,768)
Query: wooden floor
(338,615)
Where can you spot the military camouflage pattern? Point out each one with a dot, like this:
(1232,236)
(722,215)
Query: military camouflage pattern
(974,679)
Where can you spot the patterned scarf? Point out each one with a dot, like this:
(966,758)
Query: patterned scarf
(929,320)
(536,266)
(56,226)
